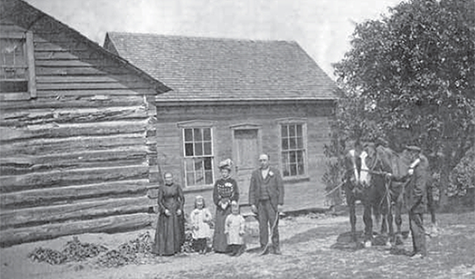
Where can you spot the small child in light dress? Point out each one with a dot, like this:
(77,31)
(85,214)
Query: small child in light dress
(234,230)
(200,220)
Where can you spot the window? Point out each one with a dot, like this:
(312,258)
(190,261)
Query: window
(293,150)
(17,73)
(198,149)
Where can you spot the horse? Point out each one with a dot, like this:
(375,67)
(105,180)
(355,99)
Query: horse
(389,174)
(357,187)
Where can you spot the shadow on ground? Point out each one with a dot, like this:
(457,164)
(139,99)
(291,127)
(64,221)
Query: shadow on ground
(345,240)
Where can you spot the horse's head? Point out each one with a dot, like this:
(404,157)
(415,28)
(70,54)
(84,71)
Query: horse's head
(369,158)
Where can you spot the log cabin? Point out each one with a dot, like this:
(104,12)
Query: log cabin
(77,132)
(234,98)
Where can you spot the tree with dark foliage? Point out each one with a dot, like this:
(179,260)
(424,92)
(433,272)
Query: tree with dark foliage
(410,78)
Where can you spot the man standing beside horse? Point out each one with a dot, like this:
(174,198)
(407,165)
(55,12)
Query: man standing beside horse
(416,199)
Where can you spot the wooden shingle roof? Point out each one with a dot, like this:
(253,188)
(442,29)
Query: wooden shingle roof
(207,69)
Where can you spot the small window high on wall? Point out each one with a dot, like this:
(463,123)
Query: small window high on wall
(198,149)
(17,69)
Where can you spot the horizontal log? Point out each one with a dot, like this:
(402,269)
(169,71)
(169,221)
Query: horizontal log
(64,130)
(19,165)
(78,71)
(91,86)
(17,96)
(110,224)
(75,211)
(95,99)
(69,177)
(42,45)
(74,63)
(5,27)
(78,115)
(60,54)
(85,78)
(41,146)
(102,93)
(48,196)
(12,34)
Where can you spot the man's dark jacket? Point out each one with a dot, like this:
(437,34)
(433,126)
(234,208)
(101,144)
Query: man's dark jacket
(274,183)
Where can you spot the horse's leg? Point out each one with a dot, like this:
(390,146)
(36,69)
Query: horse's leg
(431,206)
(368,220)
(390,221)
(398,220)
(377,216)
(350,200)
(383,200)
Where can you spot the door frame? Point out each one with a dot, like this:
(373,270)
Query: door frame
(247,126)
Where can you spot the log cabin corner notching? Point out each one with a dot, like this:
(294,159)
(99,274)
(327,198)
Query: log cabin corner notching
(78,129)
(234,99)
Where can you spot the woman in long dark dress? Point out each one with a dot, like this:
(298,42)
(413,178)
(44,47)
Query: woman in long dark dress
(225,191)
(170,232)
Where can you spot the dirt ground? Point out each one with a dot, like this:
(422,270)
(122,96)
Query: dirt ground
(313,246)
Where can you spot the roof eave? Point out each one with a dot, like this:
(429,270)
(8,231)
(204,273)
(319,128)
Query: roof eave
(210,102)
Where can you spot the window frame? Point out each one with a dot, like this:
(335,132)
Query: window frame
(197,125)
(303,123)
(30,67)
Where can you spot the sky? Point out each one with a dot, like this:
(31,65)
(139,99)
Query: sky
(323,28)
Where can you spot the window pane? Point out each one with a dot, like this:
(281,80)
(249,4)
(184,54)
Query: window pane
(189,165)
(198,149)
(293,169)
(207,164)
(13,86)
(285,158)
(285,163)
(299,130)
(292,130)
(189,149)
(207,150)
(301,169)
(207,134)
(285,144)
(190,179)
(292,157)
(285,131)
(300,143)
(209,177)
(300,162)
(188,135)
(199,178)
(292,143)
(12,52)
(197,134)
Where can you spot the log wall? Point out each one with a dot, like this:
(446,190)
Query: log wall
(81,156)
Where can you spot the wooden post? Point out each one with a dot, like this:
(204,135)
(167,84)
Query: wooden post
(30,55)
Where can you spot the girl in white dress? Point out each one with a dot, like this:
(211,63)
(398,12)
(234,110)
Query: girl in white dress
(200,220)
(234,230)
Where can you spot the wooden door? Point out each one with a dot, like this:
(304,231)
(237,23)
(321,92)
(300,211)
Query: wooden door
(246,152)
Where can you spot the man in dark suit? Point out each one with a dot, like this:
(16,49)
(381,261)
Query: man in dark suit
(416,199)
(266,196)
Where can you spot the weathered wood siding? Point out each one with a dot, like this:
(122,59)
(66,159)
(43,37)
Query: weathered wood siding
(304,193)
(81,156)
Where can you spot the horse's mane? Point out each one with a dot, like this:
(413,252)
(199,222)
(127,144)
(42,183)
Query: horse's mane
(392,162)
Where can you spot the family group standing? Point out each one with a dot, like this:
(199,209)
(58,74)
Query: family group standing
(266,196)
